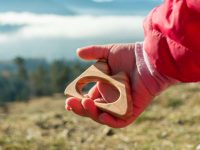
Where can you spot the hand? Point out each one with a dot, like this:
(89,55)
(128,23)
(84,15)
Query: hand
(120,57)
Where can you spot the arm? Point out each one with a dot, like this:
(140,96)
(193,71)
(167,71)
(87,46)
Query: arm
(170,53)
(171,39)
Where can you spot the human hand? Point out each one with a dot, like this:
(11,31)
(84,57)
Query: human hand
(120,58)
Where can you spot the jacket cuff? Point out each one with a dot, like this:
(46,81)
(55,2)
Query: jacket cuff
(154,81)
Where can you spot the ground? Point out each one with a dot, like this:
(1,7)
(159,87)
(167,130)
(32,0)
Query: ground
(172,122)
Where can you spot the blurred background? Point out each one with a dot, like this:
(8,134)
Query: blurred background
(38,39)
(38,42)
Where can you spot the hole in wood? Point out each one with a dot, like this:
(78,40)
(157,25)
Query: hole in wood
(111,93)
(87,87)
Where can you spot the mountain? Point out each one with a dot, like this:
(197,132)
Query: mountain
(31,64)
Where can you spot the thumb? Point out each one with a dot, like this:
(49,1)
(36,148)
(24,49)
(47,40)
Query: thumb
(94,52)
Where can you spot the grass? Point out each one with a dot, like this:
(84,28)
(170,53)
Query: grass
(172,122)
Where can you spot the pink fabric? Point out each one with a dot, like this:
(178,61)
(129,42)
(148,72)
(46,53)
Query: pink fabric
(171,39)
(152,79)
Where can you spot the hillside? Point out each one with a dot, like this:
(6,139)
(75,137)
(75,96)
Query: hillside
(172,122)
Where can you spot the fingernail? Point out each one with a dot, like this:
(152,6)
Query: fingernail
(99,100)
(69,108)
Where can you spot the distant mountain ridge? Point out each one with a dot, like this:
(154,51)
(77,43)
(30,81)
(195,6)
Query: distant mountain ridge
(31,64)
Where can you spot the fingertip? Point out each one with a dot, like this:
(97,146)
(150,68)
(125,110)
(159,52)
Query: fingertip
(68,107)
(93,52)
(75,105)
(82,52)
(71,101)
(78,51)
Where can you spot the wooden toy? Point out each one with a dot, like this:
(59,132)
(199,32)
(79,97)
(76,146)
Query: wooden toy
(122,107)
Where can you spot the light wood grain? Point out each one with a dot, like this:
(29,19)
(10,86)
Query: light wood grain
(122,107)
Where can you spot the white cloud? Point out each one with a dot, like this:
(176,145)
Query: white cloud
(72,27)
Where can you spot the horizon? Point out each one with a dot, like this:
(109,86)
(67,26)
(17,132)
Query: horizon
(54,30)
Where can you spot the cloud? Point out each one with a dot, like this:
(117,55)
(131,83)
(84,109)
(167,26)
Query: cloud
(72,27)
(54,36)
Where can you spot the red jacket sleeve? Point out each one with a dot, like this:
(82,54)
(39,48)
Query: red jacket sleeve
(172,39)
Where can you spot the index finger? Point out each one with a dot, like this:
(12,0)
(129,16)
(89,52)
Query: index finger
(94,52)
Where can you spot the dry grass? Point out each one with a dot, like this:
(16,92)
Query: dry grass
(172,122)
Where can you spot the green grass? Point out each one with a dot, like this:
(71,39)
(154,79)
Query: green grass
(172,122)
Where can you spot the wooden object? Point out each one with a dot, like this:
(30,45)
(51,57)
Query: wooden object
(122,107)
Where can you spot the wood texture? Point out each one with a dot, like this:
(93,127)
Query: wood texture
(122,107)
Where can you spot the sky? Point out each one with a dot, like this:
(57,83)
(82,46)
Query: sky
(54,29)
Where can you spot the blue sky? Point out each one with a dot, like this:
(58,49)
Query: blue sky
(54,29)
